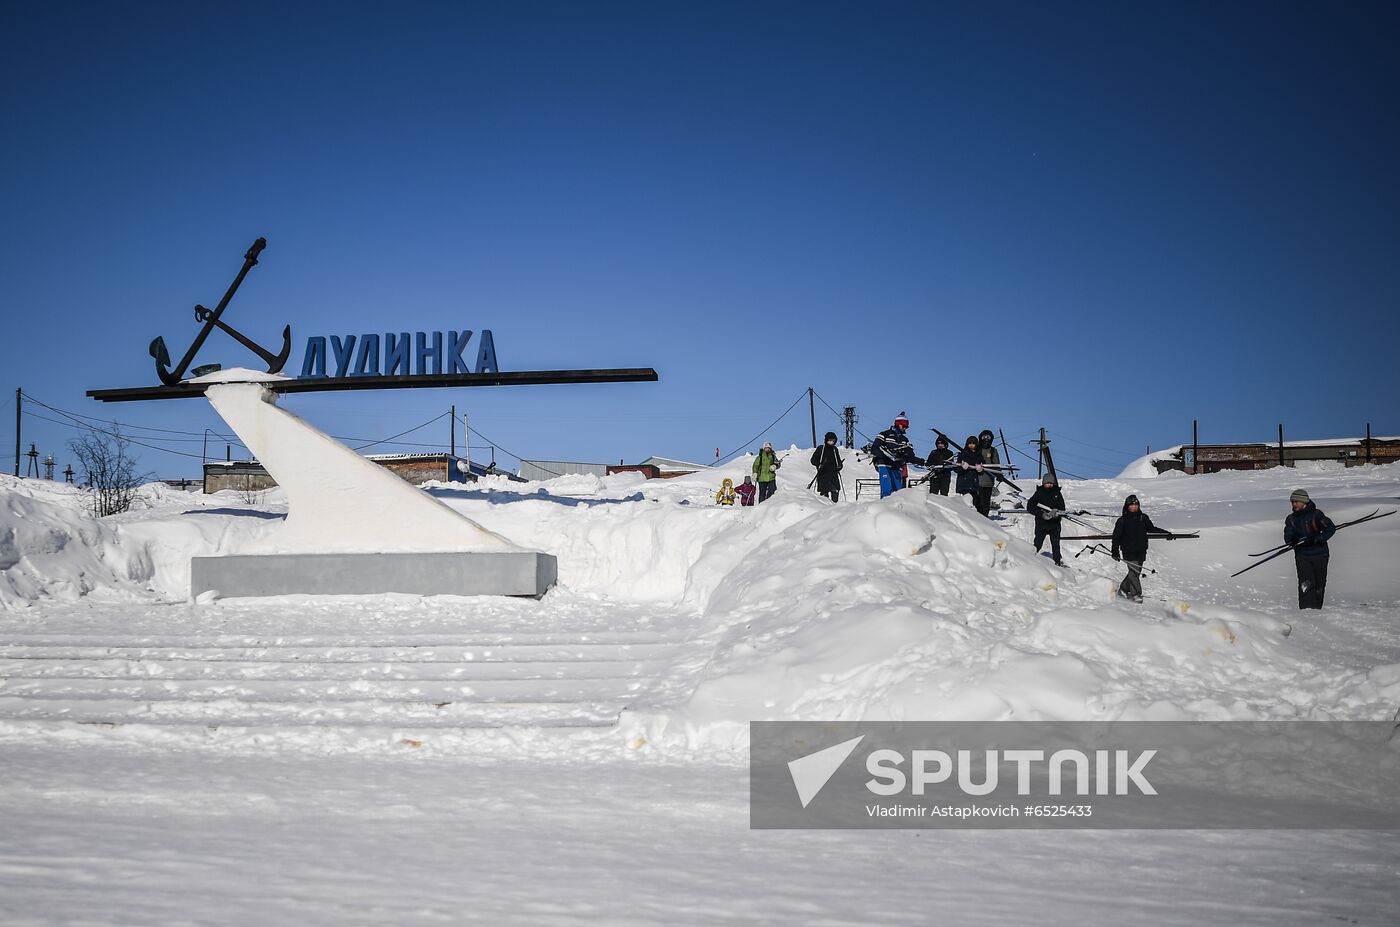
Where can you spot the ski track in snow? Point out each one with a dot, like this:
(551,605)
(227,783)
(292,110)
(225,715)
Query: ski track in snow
(396,759)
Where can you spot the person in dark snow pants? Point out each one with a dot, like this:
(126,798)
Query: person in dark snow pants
(1309,530)
(827,460)
(986,479)
(969,464)
(1046,498)
(765,469)
(940,456)
(1130,545)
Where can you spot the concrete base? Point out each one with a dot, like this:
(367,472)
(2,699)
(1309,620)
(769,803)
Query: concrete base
(523,573)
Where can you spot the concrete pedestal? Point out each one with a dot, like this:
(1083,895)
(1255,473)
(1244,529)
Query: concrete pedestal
(520,573)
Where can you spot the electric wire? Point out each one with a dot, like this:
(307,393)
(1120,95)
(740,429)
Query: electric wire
(719,460)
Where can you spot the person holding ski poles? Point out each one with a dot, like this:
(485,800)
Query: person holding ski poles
(940,456)
(827,460)
(1130,543)
(986,481)
(765,468)
(1307,530)
(1047,504)
(969,463)
(890,452)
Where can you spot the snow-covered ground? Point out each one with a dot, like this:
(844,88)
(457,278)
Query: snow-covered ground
(582,758)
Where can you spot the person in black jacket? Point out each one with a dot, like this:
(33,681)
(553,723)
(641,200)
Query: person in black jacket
(940,456)
(969,464)
(1130,541)
(1308,530)
(1047,504)
(827,460)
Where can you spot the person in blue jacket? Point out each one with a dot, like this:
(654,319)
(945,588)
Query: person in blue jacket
(1308,530)
(890,452)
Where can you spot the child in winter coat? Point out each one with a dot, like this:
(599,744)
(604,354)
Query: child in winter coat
(726,495)
(746,490)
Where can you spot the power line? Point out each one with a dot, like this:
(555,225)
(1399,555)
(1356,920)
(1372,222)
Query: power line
(430,421)
(839,415)
(506,452)
(1064,437)
(775,421)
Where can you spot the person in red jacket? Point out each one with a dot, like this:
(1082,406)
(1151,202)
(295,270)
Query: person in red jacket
(746,490)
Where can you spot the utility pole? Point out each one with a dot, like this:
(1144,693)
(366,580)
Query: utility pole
(1195,448)
(19,423)
(849,416)
(453,415)
(33,468)
(68,474)
(1368,442)
(812,408)
(48,467)
(1281,461)
(1045,463)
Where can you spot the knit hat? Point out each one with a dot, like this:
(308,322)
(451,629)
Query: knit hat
(1131,500)
(902,420)
(1300,495)
(830,436)
(1049,480)
(767,445)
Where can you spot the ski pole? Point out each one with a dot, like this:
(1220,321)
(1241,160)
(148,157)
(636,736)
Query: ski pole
(1296,544)
(1355,521)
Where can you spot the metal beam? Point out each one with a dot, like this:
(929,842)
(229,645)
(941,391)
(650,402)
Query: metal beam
(187,390)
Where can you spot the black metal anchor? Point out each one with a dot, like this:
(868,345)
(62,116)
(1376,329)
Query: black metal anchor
(211,320)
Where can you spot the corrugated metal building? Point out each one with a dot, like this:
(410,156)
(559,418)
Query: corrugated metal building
(549,469)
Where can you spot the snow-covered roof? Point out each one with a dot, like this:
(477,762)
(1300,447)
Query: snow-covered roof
(671,463)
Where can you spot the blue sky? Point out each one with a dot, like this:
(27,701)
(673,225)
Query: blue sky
(1103,219)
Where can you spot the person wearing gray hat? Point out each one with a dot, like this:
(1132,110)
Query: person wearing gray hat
(1307,531)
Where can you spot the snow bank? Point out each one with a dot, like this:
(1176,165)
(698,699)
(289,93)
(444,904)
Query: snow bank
(1142,468)
(52,547)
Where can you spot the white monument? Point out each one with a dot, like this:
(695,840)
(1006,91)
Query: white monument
(352,526)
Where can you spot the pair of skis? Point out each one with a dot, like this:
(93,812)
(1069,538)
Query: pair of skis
(1282,549)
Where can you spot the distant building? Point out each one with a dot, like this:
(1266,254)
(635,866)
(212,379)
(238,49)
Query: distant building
(1212,458)
(549,469)
(250,476)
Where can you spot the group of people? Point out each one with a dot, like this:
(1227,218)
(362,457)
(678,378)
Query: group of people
(977,465)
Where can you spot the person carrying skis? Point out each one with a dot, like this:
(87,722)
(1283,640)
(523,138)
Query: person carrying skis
(746,491)
(1047,504)
(969,463)
(765,467)
(827,460)
(1307,530)
(725,496)
(940,456)
(1130,545)
(890,452)
(987,481)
